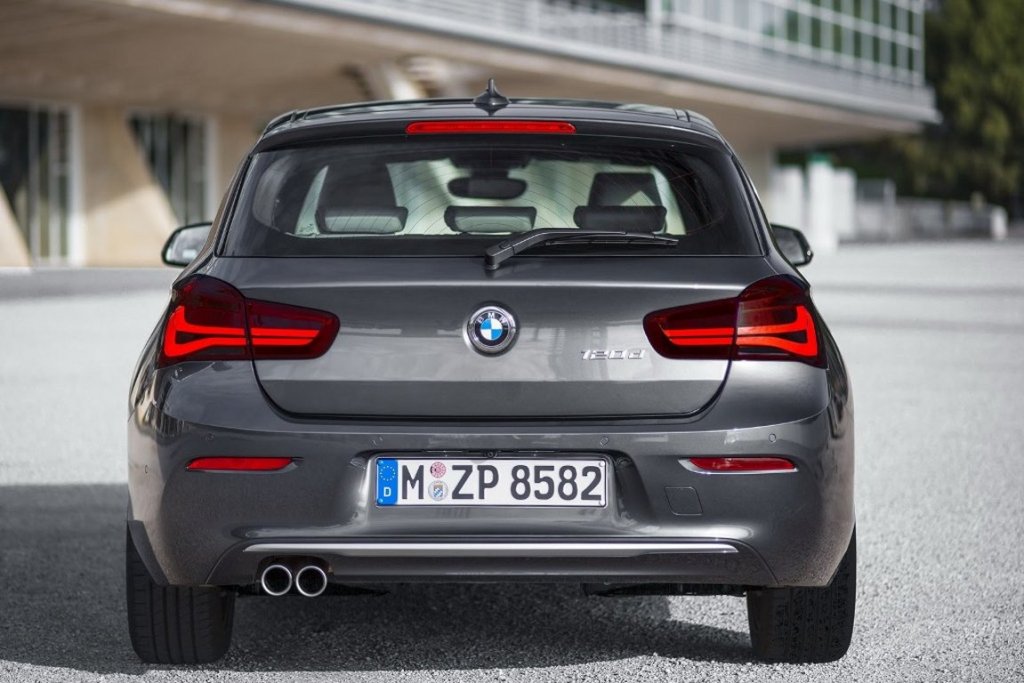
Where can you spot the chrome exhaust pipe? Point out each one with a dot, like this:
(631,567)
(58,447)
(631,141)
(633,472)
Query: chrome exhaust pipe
(276,580)
(311,581)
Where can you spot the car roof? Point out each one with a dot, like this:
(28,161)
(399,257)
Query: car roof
(310,123)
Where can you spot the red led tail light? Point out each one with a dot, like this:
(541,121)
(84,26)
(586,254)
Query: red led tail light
(770,320)
(211,320)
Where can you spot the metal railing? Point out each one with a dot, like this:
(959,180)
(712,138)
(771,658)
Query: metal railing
(675,42)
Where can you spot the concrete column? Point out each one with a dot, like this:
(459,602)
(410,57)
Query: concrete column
(77,237)
(655,20)
(759,163)
(127,216)
(388,81)
(234,137)
(13,250)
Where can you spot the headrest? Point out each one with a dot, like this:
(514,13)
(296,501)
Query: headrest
(358,185)
(371,220)
(618,189)
(490,219)
(630,218)
(265,202)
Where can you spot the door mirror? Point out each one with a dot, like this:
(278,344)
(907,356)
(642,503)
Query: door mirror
(793,245)
(185,243)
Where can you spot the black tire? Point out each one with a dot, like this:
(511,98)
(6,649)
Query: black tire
(174,624)
(804,625)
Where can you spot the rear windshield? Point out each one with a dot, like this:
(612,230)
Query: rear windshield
(454,196)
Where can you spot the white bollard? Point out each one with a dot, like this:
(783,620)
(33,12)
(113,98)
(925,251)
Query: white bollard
(844,204)
(997,222)
(821,226)
(788,197)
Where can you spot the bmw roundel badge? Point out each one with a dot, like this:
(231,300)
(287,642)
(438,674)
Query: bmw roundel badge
(491,330)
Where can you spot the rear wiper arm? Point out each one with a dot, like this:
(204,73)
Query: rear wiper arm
(506,249)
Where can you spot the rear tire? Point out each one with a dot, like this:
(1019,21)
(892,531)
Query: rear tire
(804,625)
(174,624)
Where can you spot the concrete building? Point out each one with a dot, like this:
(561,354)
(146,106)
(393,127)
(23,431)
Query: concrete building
(121,119)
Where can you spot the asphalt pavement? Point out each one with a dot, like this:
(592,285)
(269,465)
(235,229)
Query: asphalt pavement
(933,335)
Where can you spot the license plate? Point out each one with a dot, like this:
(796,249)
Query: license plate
(491,481)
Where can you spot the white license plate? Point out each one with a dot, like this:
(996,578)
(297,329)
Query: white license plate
(491,481)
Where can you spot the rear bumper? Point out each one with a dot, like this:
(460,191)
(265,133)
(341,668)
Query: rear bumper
(610,560)
(198,528)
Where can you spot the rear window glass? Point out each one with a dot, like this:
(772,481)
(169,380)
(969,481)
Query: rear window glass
(401,196)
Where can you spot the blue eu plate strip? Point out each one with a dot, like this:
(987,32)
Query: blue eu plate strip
(387,482)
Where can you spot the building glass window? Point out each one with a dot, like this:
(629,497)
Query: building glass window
(792,26)
(35,176)
(741,14)
(175,150)
(879,38)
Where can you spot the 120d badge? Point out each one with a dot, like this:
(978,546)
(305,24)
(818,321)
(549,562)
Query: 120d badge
(613,354)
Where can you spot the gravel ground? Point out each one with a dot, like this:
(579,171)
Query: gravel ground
(932,334)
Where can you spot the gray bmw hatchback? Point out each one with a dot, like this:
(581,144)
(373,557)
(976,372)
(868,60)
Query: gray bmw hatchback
(490,340)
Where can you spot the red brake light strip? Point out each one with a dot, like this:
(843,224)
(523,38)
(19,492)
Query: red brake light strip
(270,336)
(490,126)
(710,336)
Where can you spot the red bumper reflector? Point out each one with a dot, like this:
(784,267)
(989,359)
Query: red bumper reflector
(743,464)
(238,464)
(490,126)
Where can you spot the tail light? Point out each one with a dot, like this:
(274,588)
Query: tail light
(770,320)
(211,320)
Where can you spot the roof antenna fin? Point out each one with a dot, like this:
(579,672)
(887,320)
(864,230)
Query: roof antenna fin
(491,100)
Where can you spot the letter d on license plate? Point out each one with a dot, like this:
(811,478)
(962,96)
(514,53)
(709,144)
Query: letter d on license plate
(492,481)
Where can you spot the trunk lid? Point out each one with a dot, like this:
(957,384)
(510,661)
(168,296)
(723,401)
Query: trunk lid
(403,348)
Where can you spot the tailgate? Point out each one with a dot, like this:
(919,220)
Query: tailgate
(404,351)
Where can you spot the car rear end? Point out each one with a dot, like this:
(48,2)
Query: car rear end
(343,393)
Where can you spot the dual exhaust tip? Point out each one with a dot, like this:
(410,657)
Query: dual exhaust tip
(277,579)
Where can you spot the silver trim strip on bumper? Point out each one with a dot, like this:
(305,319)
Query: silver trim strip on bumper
(441,549)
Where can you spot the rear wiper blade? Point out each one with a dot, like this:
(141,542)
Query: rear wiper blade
(506,249)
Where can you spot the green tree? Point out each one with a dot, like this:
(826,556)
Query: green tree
(974,53)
